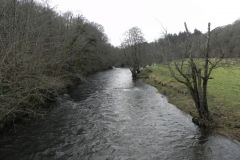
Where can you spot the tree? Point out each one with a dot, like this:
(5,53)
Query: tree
(133,44)
(195,73)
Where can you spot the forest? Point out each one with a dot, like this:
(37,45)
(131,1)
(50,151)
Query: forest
(42,53)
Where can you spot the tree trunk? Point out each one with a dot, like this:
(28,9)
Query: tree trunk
(134,71)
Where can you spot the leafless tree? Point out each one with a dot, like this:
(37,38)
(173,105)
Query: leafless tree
(195,73)
(133,44)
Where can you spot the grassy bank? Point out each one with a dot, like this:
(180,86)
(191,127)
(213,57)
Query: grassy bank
(224,93)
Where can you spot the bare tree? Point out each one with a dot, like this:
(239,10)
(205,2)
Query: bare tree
(195,73)
(133,44)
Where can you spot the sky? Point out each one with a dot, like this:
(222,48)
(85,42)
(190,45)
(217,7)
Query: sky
(117,16)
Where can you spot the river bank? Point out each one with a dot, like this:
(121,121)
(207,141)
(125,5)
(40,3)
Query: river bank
(36,105)
(223,93)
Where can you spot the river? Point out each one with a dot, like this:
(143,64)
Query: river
(110,117)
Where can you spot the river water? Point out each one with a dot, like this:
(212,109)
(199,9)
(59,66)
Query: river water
(113,118)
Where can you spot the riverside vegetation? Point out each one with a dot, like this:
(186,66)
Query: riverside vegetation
(223,95)
(41,53)
(189,59)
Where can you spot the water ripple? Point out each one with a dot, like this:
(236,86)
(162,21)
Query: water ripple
(113,118)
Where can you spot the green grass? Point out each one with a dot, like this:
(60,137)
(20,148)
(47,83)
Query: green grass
(223,94)
(225,86)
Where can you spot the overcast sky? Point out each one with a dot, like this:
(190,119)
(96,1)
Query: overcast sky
(117,16)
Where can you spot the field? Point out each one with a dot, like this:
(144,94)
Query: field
(223,94)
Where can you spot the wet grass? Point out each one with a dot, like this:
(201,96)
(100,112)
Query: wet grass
(223,94)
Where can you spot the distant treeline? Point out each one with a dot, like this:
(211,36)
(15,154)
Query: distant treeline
(41,52)
(224,40)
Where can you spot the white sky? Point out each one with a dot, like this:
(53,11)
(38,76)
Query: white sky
(117,16)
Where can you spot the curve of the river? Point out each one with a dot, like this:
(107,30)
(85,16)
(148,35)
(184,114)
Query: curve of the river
(113,118)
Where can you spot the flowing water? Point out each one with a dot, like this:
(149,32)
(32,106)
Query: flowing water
(113,118)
